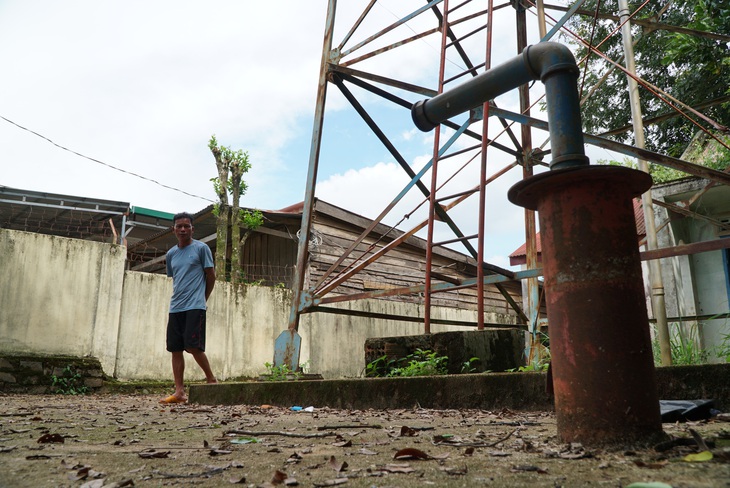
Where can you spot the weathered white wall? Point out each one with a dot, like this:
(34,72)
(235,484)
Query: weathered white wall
(695,284)
(66,296)
(240,328)
(335,344)
(712,295)
(59,296)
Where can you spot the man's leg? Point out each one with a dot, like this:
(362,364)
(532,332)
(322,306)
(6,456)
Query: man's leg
(178,370)
(175,344)
(202,361)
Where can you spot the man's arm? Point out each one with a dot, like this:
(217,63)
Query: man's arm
(209,282)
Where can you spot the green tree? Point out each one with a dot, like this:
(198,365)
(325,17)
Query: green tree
(703,150)
(694,69)
(231,166)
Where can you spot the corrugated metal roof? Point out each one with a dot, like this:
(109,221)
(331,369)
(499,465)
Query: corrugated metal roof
(91,219)
(61,215)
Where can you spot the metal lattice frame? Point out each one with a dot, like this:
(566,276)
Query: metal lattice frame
(455,27)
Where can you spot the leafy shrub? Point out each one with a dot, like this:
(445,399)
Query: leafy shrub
(69,383)
(419,363)
(283,372)
(470,365)
(683,344)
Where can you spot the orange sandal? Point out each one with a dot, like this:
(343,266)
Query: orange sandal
(173,399)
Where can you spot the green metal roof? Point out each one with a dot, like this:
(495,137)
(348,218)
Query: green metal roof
(147,212)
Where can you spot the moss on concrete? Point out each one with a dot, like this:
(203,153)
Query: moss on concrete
(502,390)
(33,373)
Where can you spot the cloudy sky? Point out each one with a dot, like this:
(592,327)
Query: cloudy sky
(141,86)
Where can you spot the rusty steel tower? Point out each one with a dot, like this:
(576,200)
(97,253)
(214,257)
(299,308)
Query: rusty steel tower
(475,128)
(461,45)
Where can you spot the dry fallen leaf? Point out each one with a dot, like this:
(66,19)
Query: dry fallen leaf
(455,471)
(279,477)
(398,468)
(71,464)
(406,431)
(93,484)
(337,466)
(80,474)
(446,439)
(499,453)
(46,438)
(411,453)
(575,455)
(527,468)
(151,453)
(118,484)
(294,458)
(334,482)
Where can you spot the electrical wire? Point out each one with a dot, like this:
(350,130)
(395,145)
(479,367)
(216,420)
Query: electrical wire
(106,164)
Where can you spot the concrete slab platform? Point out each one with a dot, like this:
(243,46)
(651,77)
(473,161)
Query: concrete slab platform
(489,391)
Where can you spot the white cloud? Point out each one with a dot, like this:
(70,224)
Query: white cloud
(143,85)
(368,191)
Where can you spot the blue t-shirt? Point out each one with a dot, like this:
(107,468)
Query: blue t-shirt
(187,266)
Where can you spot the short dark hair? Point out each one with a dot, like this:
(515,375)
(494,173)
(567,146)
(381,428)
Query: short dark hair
(182,215)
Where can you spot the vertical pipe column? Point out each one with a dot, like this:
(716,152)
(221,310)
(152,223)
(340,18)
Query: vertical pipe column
(603,369)
(602,362)
(530,286)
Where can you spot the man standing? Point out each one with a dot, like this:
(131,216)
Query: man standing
(190,264)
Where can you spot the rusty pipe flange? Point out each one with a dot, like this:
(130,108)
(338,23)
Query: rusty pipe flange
(527,192)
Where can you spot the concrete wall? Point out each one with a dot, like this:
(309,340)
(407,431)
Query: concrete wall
(242,328)
(73,297)
(695,284)
(711,291)
(60,296)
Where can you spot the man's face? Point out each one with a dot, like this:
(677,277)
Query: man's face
(183,231)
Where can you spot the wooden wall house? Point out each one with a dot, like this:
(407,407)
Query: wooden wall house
(270,253)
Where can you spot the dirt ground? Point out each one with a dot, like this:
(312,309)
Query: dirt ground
(131,440)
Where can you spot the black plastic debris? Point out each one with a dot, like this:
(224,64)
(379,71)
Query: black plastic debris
(684,410)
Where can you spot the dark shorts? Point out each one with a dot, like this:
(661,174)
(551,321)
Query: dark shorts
(186,330)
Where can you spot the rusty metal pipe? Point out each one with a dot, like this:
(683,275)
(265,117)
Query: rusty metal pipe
(602,363)
(550,62)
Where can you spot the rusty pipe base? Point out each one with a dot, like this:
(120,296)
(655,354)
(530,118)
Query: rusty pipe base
(600,344)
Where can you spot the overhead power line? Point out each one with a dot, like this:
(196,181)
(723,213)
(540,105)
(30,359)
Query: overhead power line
(106,164)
